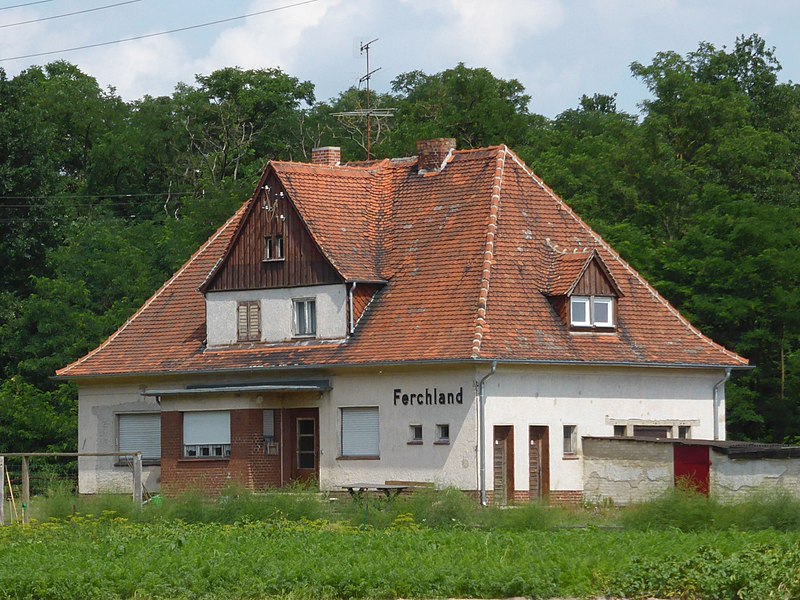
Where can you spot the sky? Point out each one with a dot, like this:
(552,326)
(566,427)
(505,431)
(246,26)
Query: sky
(558,49)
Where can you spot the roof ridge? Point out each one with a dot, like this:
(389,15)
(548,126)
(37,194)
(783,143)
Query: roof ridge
(222,229)
(601,242)
(488,252)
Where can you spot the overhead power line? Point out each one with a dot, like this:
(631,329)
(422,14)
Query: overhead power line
(70,14)
(149,35)
(98,196)
(26,4)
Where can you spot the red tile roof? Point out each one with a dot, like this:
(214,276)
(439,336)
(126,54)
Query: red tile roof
(467,254)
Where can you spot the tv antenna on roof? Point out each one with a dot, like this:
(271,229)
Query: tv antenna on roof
(367,113)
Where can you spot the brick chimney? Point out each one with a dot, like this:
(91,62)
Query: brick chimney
(431,153)
(330,156)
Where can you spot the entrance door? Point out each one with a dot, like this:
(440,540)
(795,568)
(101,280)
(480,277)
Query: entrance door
(503,464)
(692,467)
(303,443)
(539,461)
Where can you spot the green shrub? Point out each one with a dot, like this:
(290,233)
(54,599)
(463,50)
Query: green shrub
(532,516)
(679,509)
(767,509)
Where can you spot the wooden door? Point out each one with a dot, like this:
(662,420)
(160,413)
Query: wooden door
(503,464)
(692,467)
(301,462)
(539,462)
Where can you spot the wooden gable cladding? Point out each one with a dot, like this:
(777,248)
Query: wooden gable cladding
(247,265)
(594,282)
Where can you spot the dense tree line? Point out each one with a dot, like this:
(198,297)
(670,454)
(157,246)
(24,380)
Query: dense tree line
(102,199)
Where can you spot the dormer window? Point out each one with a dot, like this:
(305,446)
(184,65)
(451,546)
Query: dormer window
(591,311)
(273,247)
(304,317)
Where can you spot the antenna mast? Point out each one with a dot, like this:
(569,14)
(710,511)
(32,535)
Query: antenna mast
(367,113)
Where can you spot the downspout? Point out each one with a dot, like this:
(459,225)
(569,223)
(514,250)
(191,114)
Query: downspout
(352,322)
(717,385)
(482,432)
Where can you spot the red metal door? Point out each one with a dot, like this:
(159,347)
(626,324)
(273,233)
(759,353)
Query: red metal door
(692,467)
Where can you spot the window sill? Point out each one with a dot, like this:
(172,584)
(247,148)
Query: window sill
(414,443)
(146,462)
(358,458)
(194,459)
(570,457)
(441,443)
(310,336)
(592,329)
(273,260)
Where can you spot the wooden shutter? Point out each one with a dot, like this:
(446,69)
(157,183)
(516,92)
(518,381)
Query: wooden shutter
(241,320)
(253,321)
(360,431)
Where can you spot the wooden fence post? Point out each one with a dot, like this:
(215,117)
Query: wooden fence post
(3,488)
(137,478)
(26,489)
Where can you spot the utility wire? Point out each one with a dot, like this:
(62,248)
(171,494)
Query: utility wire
(73,196)
(77,12)
(26,4)
(149,35)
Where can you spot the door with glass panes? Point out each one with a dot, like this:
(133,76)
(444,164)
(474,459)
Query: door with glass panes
(304,444)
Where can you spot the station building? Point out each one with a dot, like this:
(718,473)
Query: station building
(442,319)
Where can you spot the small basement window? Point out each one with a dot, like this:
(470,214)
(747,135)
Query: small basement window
(415,434)
(591,311)
(443,433)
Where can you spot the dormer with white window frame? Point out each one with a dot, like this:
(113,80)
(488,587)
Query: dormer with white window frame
(583,291)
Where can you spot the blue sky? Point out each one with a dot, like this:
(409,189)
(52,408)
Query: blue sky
(558,49)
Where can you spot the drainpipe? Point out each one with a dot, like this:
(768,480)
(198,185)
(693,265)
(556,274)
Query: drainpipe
(717,385)
(482,431)
(352,323)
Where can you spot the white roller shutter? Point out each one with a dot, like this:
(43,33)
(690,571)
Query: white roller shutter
(360,431)
(204,428)
(141,433)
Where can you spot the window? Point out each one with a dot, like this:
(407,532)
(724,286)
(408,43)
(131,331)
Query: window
(305,317)
(140,432)
(442,433)
(273,247)
(652,431)
(591,311)
(684,432)
(620,431)
(207,434)
(360,432)
(415,434)
(248,319)
(270,441)
(570,440)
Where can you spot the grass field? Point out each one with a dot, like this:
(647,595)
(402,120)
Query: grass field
(296,546)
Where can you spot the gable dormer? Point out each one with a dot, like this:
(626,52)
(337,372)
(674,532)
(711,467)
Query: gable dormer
(583,291)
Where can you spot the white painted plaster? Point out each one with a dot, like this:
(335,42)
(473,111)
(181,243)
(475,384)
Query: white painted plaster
(733,477)
(276,313)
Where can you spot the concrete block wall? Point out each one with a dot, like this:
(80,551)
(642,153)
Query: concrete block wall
(733,478)
(626,471)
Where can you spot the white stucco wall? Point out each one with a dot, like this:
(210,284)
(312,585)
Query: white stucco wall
(276,312)
(98,407)
(735,477)
(626,471)
(593,399)
(453,464)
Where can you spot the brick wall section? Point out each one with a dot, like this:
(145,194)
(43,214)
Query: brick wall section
(431,153)
(330,156)
(572,497)
(248,464)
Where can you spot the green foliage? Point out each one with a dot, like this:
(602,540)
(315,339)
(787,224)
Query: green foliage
(35,421)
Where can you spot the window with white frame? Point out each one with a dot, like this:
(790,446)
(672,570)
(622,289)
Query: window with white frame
(570,440)
(207,434)
(442,433)
(273,247)
(248,321)
(304,317)
(360,432)
(415,434)
(140,432)
(591,311)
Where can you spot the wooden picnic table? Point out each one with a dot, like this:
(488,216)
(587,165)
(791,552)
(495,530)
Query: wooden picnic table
(390,490)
